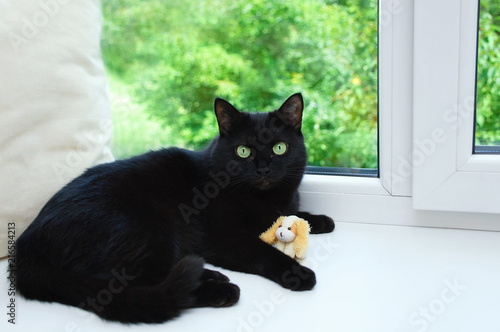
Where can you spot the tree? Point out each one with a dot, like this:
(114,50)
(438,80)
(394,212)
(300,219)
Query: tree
(488,75)
(254,53)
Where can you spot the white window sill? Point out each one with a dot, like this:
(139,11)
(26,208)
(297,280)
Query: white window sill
(367,200)
(370,278)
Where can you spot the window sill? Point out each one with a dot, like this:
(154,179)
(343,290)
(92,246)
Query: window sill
(365,200)
(369,278)
(313,183)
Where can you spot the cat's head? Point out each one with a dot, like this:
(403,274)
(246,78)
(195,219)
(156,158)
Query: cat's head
(262,151)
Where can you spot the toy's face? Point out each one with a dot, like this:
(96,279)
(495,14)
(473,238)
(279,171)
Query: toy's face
(286,232)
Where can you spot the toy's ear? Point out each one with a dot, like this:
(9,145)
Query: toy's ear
(269,236)
(302,239)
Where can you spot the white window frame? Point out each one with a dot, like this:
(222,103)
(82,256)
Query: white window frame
(450,177)
(397,197)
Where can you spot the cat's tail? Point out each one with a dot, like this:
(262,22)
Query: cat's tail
(116,298)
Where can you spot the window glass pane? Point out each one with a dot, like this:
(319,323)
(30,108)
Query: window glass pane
(487,134)
(168,60)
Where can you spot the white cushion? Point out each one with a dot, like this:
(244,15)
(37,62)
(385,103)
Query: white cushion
(55,118)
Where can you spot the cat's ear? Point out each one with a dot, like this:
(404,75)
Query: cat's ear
(227,115)
(291,111)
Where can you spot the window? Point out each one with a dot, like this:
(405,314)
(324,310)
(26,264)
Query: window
(168,60)
(448,176)
(428,173)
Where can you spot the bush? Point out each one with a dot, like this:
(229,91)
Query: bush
(488,75)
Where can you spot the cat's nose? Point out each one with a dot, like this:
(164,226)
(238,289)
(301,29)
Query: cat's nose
(263,171)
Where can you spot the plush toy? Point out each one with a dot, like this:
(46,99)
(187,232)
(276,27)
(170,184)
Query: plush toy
(289,235)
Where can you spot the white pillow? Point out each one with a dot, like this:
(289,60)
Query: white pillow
(55,118)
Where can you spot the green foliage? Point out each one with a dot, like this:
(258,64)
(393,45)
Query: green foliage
(488,75)
(134,132)
(176,56)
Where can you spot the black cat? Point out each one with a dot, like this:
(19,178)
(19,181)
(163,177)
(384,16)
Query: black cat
(128,240)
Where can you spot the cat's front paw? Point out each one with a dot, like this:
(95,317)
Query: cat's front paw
(298,278)
(321,224)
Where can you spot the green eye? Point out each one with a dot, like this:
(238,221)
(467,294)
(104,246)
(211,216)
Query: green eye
(243,151)
(279,148)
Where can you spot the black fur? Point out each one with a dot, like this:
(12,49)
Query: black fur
(125,240)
